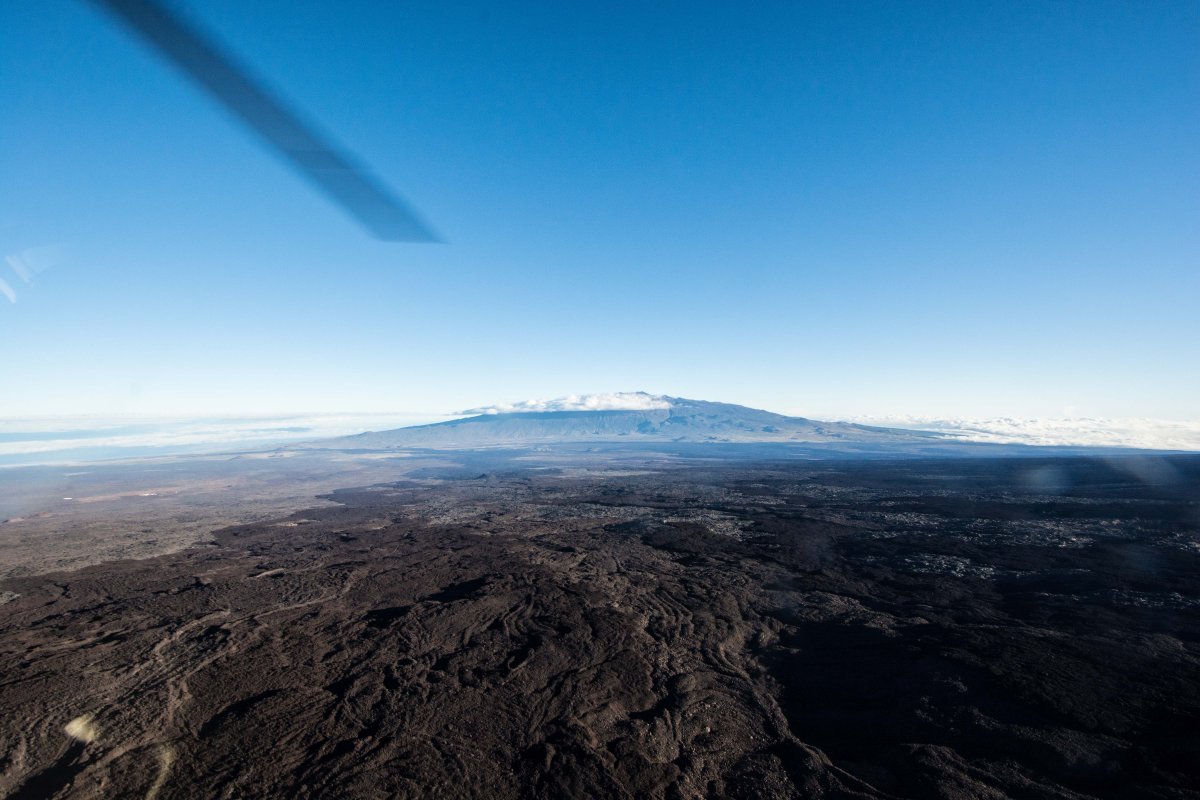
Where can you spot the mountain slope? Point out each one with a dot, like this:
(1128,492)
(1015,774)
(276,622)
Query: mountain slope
(682,420)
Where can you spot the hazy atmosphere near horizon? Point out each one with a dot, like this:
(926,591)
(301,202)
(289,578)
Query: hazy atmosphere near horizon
(825,209)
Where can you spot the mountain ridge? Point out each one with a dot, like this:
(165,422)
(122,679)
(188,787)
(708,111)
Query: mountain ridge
(682,420)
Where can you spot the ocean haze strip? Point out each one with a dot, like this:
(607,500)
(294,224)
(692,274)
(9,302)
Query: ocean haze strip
(330,169)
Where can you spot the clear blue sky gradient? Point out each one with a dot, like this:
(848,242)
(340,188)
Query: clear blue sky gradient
(830,209)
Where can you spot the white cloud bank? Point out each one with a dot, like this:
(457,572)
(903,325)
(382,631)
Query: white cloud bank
(41,440)
(611,401)
(1153,434)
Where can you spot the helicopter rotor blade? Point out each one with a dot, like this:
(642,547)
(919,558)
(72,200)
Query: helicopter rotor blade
(329,168)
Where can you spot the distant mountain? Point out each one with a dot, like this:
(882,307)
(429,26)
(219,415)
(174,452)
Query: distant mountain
(675,419)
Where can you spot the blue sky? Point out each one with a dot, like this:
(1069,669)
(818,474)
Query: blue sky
(831,209)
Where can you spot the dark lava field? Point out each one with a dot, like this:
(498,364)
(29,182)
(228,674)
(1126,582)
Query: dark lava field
(966,628)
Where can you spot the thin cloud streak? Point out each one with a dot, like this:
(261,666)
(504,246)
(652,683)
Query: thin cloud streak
(20,267)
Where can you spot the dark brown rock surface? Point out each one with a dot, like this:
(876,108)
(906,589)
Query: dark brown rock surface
(911,629)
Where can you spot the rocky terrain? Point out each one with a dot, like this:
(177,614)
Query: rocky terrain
(500,626)
(57,517)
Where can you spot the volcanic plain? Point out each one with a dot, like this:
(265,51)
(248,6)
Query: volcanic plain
(526,624)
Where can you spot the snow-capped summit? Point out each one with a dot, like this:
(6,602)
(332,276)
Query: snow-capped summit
(625,417)
(608,401)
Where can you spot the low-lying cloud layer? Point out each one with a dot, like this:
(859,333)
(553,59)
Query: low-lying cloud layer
(58,440)
(610,401)
(53,440)
(1155,434)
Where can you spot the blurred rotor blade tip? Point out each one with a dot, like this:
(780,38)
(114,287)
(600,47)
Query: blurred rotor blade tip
(320,162)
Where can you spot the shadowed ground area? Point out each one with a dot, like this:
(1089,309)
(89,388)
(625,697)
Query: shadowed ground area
(498,627)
